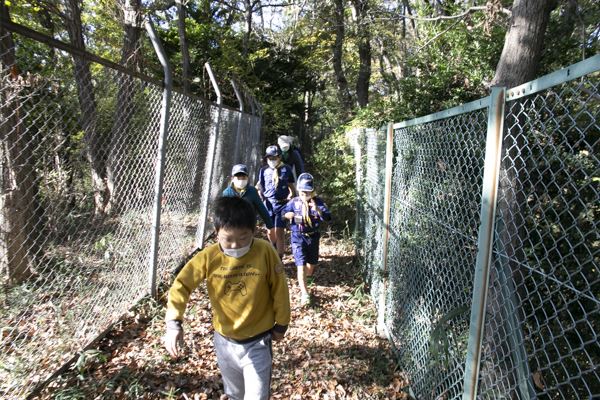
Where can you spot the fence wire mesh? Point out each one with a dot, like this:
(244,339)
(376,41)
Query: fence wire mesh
(543,313)
(78,153)
(370,177)
(436,196)
(540,337)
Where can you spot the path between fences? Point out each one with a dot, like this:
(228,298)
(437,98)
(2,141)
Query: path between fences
(331,350)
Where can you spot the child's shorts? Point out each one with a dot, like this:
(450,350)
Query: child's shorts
(275,210)
(305,247)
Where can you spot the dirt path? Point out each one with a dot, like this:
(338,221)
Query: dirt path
(330,351)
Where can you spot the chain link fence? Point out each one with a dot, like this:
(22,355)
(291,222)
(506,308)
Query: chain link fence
(78,180)
(541,309)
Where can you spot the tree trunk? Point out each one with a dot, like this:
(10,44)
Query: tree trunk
(523,43)
(518,64)
(87,101)
(343,93)
(118,175)
(248,18)
(408,11)
(386,70)
(18,186)
(183,45)
(364,52)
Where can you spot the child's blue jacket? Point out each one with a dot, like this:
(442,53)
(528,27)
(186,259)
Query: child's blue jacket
(251,196)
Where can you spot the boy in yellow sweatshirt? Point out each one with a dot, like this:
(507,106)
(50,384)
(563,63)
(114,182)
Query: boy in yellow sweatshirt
(248,292)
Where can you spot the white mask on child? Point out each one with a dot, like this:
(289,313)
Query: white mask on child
(273,163)
(283,145)
(237,253)
(240,183)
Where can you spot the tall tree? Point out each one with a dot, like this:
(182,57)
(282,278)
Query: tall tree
(96,153)
(524,42)
(117,175)
(17,174)
(183,46)
(361,8)
(339,22)
(519,61)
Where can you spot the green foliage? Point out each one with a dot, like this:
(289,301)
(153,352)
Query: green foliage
(334,168)
(444,338)
(103,30)
(70,393)
(572,35)
(86,361)
(449,63)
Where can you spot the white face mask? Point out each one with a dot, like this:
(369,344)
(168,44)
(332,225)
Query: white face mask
(237,253)
(283,145)
(273,163)
(240,183)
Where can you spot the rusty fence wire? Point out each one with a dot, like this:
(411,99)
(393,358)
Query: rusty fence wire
(521,321)
(78,178)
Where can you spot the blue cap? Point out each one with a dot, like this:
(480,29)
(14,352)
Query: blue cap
(239,169)
(273,151)
(305,182)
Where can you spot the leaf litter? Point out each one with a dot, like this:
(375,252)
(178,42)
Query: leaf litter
(331,350)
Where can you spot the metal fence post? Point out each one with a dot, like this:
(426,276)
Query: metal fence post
(162,147)
(256,111)
(489,194)
(210,164)
(387,205)
(358,158)
(236,150)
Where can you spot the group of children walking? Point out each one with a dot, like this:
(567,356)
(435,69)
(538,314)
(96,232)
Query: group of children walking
(304,213)
(244,275)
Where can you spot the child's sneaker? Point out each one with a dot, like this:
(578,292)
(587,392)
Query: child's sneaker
(305,299)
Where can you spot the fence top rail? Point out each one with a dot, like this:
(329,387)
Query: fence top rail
(451,112)
(569,73)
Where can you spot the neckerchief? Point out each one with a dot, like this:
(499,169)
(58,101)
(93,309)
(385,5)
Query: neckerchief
(306,213)
(239,191)
(275,176)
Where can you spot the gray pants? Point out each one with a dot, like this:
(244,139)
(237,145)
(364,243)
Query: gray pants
(245,367)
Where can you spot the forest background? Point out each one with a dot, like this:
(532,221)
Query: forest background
(318,67)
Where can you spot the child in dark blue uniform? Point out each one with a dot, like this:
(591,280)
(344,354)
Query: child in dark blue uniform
(306,212)
(276,187)
(291,155)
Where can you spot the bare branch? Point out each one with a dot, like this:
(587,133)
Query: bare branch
(505,11)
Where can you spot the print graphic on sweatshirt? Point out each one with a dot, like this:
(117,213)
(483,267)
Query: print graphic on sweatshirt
(235,287)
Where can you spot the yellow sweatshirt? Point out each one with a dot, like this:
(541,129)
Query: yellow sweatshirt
(248,295)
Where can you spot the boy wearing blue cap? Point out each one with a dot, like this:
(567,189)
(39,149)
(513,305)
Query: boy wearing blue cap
(239,188)
(306,212)
(276,187)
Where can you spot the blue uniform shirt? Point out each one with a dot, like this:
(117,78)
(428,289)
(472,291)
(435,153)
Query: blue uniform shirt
(293,158)
(295,206)
(269,190)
